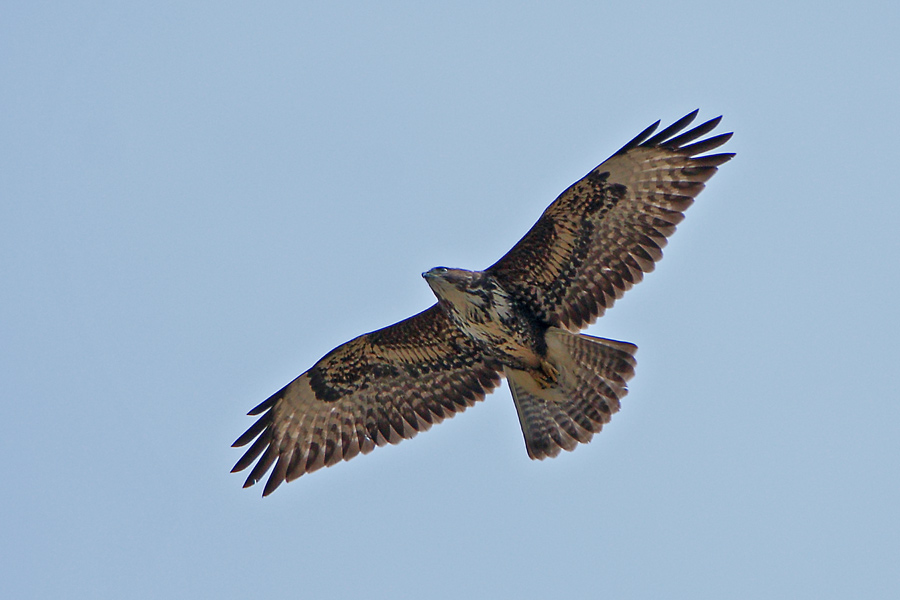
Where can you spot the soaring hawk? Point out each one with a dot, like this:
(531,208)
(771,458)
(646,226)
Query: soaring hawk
(518,318)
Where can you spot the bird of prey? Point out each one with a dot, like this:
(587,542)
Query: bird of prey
(519,318)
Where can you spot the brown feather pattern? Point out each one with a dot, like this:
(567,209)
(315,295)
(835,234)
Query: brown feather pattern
(380,388)
(602,234)
(592,384)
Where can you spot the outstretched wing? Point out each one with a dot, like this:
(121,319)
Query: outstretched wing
(602,234)
(379,388)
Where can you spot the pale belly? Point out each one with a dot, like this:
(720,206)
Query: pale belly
(504,336)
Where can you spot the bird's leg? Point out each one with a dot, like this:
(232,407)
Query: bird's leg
(546,376)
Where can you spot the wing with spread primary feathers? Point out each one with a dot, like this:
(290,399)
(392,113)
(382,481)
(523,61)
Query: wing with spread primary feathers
(379,388)
(602,234)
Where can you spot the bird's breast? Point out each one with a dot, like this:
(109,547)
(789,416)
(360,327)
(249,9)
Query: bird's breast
(501,329)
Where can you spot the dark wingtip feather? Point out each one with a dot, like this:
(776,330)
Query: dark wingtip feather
(707,144)
(261,466)
(712,160)
(634,143)
(253,431)
(277,476)
(671,130)
(252,452)
(693,134)
(265,405)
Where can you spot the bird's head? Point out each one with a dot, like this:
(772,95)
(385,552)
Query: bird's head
(456,286)
(444,277)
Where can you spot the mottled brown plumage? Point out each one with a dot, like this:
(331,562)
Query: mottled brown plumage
(517,319)
(379,388)
(603,233)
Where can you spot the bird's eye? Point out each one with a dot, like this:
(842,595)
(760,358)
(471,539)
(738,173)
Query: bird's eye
(440,270)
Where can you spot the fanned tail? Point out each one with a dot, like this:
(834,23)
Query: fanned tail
(590,382)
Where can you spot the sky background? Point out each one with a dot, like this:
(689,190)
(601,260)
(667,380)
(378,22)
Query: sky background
(199,200)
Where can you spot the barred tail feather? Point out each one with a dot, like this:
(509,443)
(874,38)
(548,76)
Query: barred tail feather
(591,380)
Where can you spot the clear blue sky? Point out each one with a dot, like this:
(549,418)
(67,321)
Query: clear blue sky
(198,200)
